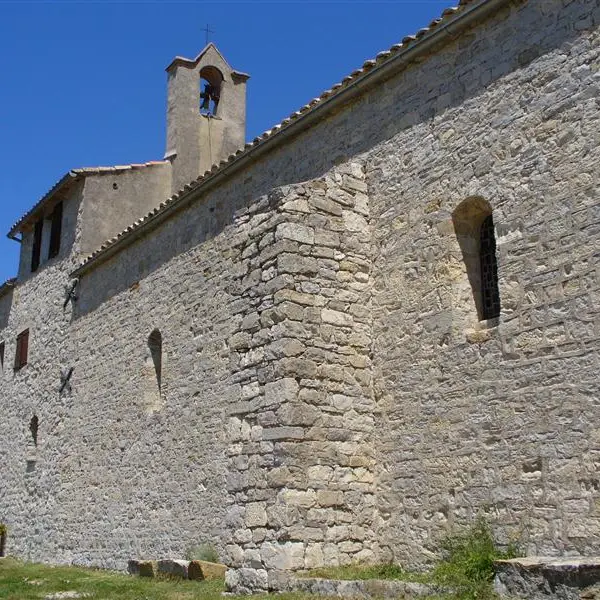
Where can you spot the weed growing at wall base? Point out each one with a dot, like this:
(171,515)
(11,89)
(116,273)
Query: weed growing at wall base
(467,566)
(203,551)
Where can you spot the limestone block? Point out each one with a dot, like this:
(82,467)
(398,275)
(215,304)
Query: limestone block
(298,414)
(173,568)
(133,567)
(280,391)
(325,205)
(201,569)
(354,222)
(319,474)
(240,341)
(296,263)
(340,196)
(246,581)
(289,555)
(297,367)
(147,568)
(301,498)
(251,322)
(234,556)
(335,317)
(327,498)
(279,580)
(365,555)
(291,310)
(284,347)
(295,231)
(313,556)
(256,515)
(294,296)
(327,238)
(283,433)
(281,515)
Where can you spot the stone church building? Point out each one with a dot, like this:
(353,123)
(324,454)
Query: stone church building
(371,324)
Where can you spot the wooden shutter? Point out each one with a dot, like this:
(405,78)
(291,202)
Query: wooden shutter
(37,245)
(56,230)
(21,355)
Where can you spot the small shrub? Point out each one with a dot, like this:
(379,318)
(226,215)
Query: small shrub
(3,529)
(204,551)
(467,566)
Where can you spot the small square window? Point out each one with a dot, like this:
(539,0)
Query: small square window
(22,351)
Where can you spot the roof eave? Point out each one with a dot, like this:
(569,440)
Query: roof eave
(27,217)
(8,285)
(264,143)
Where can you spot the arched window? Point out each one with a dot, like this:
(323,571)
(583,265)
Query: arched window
(474,227)
(211,81)
(152,370)
(155,348)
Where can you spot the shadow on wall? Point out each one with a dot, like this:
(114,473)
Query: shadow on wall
(378,115)
(6,301)
(224,214)
(67,232)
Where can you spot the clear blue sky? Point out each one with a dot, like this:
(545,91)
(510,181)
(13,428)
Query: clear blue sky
(83,83)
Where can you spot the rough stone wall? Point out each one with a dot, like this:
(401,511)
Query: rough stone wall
(31,476)
(493,418)
(322,353)
(301,449)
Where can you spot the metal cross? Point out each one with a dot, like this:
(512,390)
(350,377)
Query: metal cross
(207,31)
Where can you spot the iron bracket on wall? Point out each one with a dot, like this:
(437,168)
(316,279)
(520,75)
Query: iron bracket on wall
(72,293)
(65,379)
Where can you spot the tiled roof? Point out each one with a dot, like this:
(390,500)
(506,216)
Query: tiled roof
(63,183)
(8,285)
(465,9)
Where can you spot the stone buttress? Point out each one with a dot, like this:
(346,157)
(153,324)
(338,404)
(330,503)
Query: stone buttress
(301,465)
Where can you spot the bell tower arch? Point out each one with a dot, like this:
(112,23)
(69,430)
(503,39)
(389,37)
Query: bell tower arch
(206,114)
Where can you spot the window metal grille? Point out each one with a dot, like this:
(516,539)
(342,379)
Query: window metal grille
(490,296)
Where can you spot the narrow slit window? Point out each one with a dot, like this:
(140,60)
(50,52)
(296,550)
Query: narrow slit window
(33,429)
(55,230)
(490,297)
(37,245)
(155,347)
(22,351)
(2,347)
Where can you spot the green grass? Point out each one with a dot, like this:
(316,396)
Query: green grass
(363,572)
(27,581)
(465,570)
